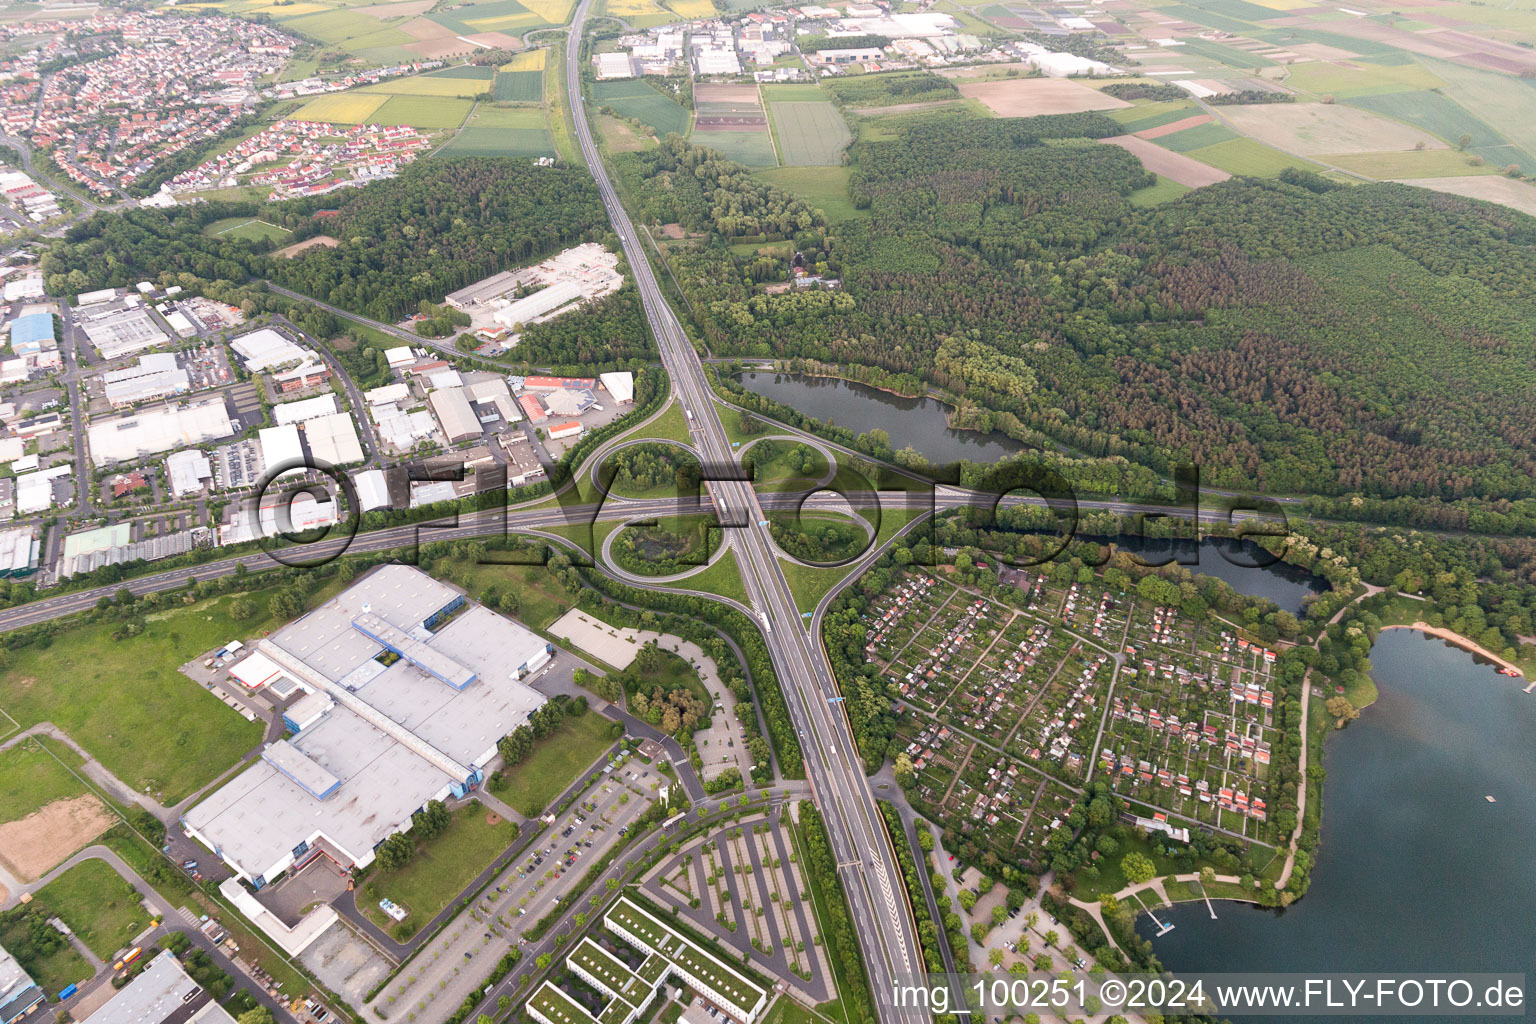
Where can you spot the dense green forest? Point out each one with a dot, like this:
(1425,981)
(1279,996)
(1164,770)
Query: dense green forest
(437,227)
(1287,336)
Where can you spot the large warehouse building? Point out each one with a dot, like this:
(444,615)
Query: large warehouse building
(408,686)
(158,429)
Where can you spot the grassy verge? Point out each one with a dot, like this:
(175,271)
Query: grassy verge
(810,583)
(834,922)
(555,109)
(557,760)
(439,871)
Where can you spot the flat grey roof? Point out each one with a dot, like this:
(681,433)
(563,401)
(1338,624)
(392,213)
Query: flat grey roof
(160,991)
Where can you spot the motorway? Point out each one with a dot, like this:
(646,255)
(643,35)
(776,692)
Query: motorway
(866,860)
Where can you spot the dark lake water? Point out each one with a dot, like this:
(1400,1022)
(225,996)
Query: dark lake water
(1241,564)
(1417,871)
(919,423)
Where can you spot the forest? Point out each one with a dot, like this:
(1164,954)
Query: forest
(435,228)
(1288,336)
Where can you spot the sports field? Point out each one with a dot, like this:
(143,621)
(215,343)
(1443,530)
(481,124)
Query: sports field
(809,134)
(635,99)
(341,108)
(519,87)
(247,228)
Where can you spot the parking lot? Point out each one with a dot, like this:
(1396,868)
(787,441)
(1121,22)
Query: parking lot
(747,876)
(457,960)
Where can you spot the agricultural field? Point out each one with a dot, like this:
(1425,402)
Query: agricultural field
(752,148)
(1517,195)
(1245,156)
(1311,129)
(633,98)
(519,87)
(809,133)
(1175,167)
(692,9)
(501,131)
(341,108)
(433,86)
(528,60)
(1026,97)
(1195,136)
(425,112)
(1430,163)
(639,13)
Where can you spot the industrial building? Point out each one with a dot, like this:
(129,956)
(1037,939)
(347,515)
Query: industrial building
(122,332)
(18,553)
(309,375)
(265,348)
(158,429)
(154,376)
(398,429)
(452,409)
(407,685)
(114,545)
(333,440)
(19,994)
(32,333)
(163,993)
(187,470)
(620,386)
(670,954)
(523,465)
(308,409)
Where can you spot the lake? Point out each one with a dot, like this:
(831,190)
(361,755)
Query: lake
(1285,585)
(918,423)
(1417,871)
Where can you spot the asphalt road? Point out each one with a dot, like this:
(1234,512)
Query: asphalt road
(866,860)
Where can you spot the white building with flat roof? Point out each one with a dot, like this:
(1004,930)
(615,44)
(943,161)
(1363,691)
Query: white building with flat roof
(154,376)
(306,409)
(383,737)
(265,348)
(187,471)
(158,429)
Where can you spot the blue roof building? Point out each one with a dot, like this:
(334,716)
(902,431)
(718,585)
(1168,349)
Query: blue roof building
(30,333)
